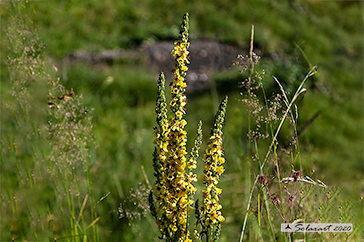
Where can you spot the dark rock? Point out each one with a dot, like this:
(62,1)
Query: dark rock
(207,57)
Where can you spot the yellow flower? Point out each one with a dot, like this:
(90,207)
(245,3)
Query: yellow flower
(173,227)
(220,169)
(221,219)
(192,164)
(184,68)
(221,160)
(179,114)
(181,167)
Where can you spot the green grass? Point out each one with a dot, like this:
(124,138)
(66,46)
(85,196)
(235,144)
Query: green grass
(123,109)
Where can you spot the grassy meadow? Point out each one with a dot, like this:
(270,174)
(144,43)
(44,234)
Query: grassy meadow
(77,138)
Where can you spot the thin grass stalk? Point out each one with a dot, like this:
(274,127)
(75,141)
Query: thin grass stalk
(248,208)
(59,200)
(95,231)
(19,173)
(80,218)
(278,172)
(266,202)
(298,92)
(67,186)
(293,192)
(32,221)
(268,212)
(259,213)
(286,101)
(251,63)
(251,53)
(251,70)
(280,186)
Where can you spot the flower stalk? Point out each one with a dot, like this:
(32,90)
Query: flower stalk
(172,202)
(173,185)
(213,158)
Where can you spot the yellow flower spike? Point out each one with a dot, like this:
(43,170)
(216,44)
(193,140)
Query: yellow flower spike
(172,152)
(213,158)
(172,168)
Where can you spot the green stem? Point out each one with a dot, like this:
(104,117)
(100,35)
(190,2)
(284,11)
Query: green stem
(298,92)
(268,213)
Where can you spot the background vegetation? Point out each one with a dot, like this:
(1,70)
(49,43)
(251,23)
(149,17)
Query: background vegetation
(120,99)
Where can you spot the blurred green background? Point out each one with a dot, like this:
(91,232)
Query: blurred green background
(291,37)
